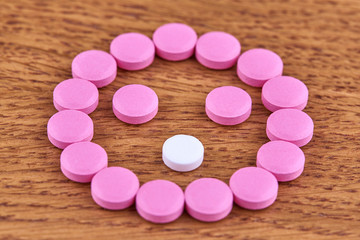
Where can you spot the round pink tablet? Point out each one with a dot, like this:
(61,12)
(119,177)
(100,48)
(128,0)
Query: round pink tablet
(208,199)
(228,105)
(174,41)
(284,92)
(256,66)
(160,201)
(217,50)
(290,125)
(135,104)
(97,66)
(81,161)
(254,188)
(132,51)
(114,188)
(283,159)
(69,126)
(76,94)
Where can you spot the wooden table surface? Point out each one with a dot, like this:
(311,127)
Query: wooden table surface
(319,42)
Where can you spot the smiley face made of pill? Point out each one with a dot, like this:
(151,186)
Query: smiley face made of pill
(205,199)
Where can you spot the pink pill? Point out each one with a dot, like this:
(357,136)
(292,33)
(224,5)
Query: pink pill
(290,125)
(132,51)
(160,201)
(174,41)
(76,94)
(228,105)
(97,66)
(217,50)
(256,66)
(81,161)
(114,188)
(284,92)
(208,199)
(254,188)
(135,104)
(69,126)
(283,159)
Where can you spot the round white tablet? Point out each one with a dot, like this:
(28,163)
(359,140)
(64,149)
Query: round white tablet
(183,153)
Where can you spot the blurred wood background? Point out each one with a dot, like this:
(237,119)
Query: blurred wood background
(319,42)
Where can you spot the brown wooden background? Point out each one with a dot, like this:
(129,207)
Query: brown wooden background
(319,42)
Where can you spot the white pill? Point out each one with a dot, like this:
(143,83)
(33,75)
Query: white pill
(183,153)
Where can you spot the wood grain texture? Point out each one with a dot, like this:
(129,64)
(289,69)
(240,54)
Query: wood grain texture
(319,42)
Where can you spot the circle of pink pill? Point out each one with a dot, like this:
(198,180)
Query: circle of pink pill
(205,199)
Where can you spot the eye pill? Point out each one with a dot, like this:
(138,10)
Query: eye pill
(183,153)
(283,159)
(290,125)
(217,50)
(208,199)
(114,188)
(284,92)
(96,66)
(135,104)
(69,126)
(254,188)
(160,201)
(132,51)
(228,105)
(258,65)
(76,94)
(174,41)
(81,161)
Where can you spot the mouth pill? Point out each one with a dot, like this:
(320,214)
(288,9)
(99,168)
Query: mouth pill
(208,199)
(96,66)
(183,153)
(290,125)
(217,50)
(254,188)
(114,188)
(258,65)
(174,41)
(283,159)
(69,126)
(81,161)
(284,92)
(135,104)
(76,94)
(228,105)
(132,51)
(160,201)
